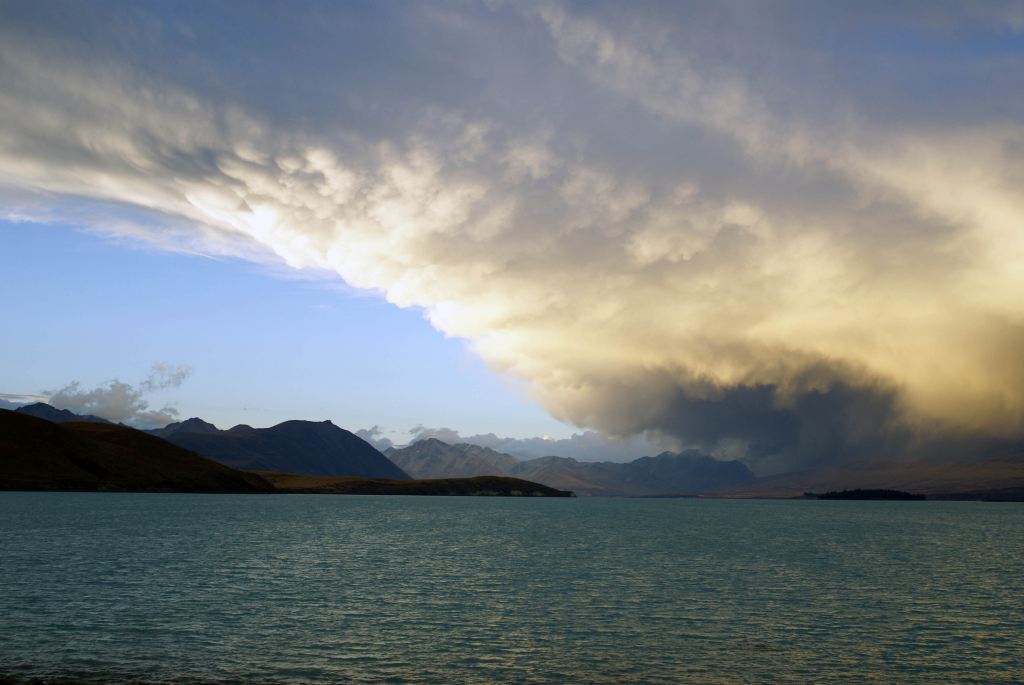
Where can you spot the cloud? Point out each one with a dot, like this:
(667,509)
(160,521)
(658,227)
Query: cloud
(448,435)
(163,376)
(730,228)
(375,436)
(123,402)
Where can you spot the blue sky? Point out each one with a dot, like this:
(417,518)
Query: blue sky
(264,345)
(783,232)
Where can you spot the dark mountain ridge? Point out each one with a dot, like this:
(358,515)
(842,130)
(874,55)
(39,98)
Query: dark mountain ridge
(193,425)
(37,454)
(307,448)
(299,447)
(42,410)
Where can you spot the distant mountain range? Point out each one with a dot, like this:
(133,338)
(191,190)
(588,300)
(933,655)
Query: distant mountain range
(432,458)
(37,454)
(686,473)
(306,448)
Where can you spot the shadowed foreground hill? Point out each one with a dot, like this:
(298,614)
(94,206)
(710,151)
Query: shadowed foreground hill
(37,454)
(495,486)
(300,447)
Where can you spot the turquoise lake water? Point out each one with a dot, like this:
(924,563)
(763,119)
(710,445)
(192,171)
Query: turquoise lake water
(346,589)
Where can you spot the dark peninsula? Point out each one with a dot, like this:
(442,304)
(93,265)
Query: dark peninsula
(869,495)
(495,486)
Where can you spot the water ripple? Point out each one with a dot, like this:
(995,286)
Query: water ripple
(293,589)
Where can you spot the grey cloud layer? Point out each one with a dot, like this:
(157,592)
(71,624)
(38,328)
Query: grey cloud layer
(697,221)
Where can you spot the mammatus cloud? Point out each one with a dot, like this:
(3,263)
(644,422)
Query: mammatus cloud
(124,402)
(758,245)
(585,446)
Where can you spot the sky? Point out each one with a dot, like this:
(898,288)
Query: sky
(260,346)
(791,233)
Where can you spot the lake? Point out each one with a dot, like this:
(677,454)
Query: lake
(99,587)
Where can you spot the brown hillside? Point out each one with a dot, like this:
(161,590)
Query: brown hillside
(36,454)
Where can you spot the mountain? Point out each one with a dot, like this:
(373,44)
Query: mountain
(42,410)
(432,458)
(192,425)
(989,478)
(686,473)
(298,447)
(665,474)
(39,454)
(569,473)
